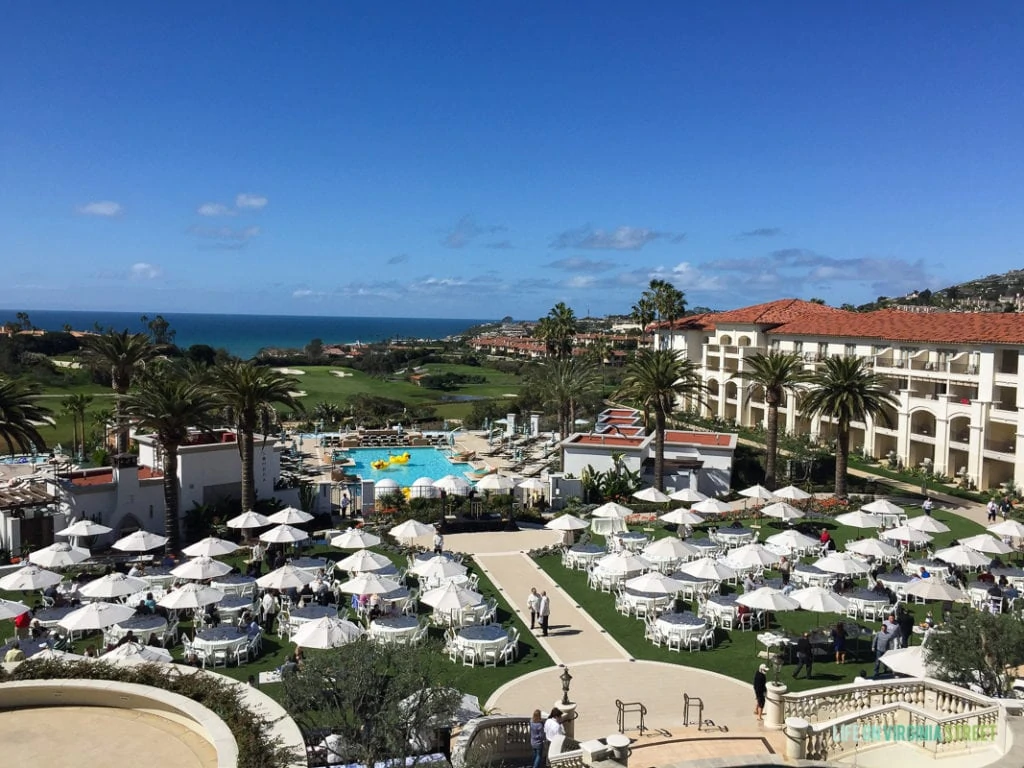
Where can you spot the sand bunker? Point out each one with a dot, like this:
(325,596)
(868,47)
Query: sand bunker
(298,393)
(290,371)
(340,374)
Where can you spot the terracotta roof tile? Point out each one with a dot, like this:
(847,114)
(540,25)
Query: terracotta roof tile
(676,436)
(897,325)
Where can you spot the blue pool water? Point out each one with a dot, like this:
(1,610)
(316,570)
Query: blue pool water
(423,462)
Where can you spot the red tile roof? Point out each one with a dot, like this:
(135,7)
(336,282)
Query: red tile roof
(896,325)
(622,442)
(698,438)
(107,476)
(794,317)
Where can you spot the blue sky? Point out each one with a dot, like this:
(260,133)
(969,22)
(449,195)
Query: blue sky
(490,159)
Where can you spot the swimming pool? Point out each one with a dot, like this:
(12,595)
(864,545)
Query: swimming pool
(423,462)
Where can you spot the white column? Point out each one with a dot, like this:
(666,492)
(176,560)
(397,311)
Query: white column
(774,709)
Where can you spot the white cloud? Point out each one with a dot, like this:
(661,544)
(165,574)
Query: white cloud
(144,271)
(306,293)
(619,239)
(581,281)
(255,202)
(106,208)
(214,209)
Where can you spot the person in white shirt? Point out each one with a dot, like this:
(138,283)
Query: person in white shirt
(135,571)
(270,606)
(553,725)
(334,747)
(533,604)
(544,612)
(438,543)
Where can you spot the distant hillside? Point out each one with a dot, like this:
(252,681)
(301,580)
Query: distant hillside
(994,293)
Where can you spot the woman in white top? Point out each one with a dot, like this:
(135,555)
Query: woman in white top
(533,604)
(553,725)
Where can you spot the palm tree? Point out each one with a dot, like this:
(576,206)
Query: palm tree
(76,406)
(565,387)
(169,405)
(247,394)
(558,330)
(643,313)
(669,301)
(654,380)
(20,416)
(776,374)
(121,355)
(846,391)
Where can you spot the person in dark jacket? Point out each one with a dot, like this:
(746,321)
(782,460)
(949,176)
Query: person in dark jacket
(760,690)
(803,655)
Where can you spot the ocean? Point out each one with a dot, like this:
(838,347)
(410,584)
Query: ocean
(245,335)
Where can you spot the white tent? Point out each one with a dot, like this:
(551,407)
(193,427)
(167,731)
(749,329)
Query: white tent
(495,483)
(655,583)
(211,546)
(201,568)
(820,600)
(909,661)
(385,487)
(623,564)
(883,507)
(438,568)
(451,597)
(793,540)
(452,485)
(423,488)
(612,510)
(1011,528)
(670,549)
(935,589)
(767,599)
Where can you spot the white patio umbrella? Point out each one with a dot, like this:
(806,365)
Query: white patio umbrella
(285,577)
(112,585)
(751,556)
(792,493)
(289,516)
(84,528)
(688,495)
(355,538)
(682,517)
(495,483)
(883,507)
(58,555)
(566,522)
(211,546)
(767,599)
(909,661)
(440,568)
(656,583)
(138,653)
(782,511)
(362,561)
(283,534)
(1010,528)
(611,509)
(29,578)
(928,524)
(983,542)
(10,609)
(190,597)
(623,563)
(905,533)
(842,563)
(52,654)
(820,600)
(98,615)
(201,568)
(327,632)
(453,485)
(962,555)
(451,597)
(140,541)
(935,589)
(872,548)
(248,519)
(708,568)
(423,488)
(758,492)
(793,540)
(411,529)
(669,548)
(652,494)
(711,507)
(860,519)
(532,484)
(370,584)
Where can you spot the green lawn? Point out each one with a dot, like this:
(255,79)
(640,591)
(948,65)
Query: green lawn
(735,652)
(479,681)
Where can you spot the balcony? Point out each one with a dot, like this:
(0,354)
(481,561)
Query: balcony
(1001,445)
(1003,414)
(962,369)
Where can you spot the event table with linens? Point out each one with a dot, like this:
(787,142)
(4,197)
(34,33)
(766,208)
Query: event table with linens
(683,624)
(234,584)
(393,628)
(158,576)
(606,526)
(935,568)
(50,617)
(634,541)
(582,555)
(144,626)
(707,546)
(862,599)
(312,612)
(482,638)
(309,564)
(460,581)
(694,585)
(811,576)
(652,601)
(222,638)
(231,607)
(735,537)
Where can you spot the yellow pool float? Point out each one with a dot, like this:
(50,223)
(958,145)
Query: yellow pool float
(379,464)
(402,458)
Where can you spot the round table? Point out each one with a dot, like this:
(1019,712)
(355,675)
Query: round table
(233,605)
(734,537)
(398,596)
(632,540)
(222,638)
(309,564)
(423,557)
(312,613)
(158,576)
(392,628)
(461,581)
(143,626)
(707,545)
(234,584)
(812,576)
(936,568)
(482,638)
(866,598)
(683,624)
(50,617)
(582,555)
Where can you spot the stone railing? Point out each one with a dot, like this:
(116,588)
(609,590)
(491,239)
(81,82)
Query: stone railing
(504,740)
(936,717)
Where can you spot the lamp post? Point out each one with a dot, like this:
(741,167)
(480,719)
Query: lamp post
(566,678)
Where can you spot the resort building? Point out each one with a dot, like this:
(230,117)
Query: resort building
(957,377)
(698,460)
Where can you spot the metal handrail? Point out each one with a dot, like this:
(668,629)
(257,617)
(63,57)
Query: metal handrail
(629,707)
(693,701)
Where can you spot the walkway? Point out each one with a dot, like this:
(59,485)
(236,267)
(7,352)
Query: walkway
(603,670)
